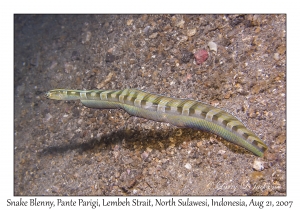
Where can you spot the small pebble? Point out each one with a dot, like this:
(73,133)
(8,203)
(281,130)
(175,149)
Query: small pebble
(148,149)
(199,144)
(276,56)
(186,56)
(48,117)
(256,175)
(191,32)
(221,152)
(258,165)
(281,50)
(153,36)
(146,30)
(201,56)
(180,24)
(75,55)
(281,139)
(53,65)
(87,38)
(212,46)
(182,38)
(256,89)
(55,189)
(188,166)
(144,155)
(178,133)
(109,58)
(129,22)
(227,95)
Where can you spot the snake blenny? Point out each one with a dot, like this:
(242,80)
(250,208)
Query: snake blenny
(179,112)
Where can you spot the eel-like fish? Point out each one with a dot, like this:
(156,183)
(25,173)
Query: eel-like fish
(179,112)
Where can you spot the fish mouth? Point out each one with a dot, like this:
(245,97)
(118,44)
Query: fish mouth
(47,94)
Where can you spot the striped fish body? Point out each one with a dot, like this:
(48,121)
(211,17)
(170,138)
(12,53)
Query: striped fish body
(179,112)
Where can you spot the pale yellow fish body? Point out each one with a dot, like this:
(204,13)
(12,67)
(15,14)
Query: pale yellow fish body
(179,112)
